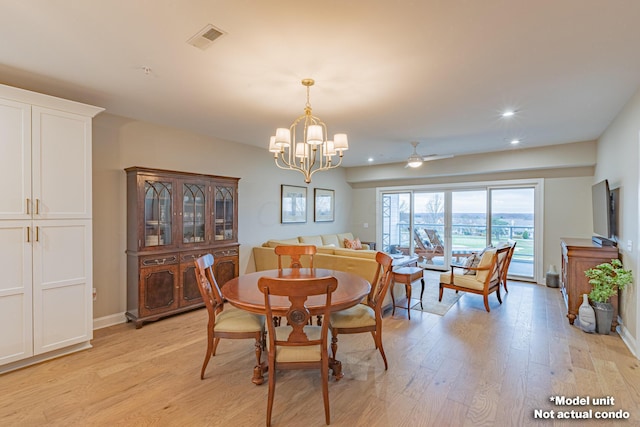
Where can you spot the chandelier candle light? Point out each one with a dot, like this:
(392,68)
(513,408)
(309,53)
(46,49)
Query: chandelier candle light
(303,146)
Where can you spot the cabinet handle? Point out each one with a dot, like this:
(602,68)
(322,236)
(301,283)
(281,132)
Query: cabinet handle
(37,234)
(37,206)
(160,262)
(28,234)
(28,204)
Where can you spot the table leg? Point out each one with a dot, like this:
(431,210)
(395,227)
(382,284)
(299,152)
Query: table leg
(258,373)
(421,292)
(336,367)
(393,299)
(407,287)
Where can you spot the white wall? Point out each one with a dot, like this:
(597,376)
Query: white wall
(119,143)
(618,162)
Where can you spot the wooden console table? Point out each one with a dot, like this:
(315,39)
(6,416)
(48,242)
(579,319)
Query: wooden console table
(579,255)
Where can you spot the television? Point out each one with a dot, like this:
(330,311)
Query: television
(603,214)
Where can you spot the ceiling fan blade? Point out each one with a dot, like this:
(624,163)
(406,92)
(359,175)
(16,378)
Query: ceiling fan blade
(437,157)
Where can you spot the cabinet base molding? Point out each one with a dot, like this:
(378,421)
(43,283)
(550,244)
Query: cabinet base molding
(133,315)
(44,357)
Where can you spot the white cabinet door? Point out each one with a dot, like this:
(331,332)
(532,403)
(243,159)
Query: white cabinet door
(15,291)
(61,156)
(15,160)
(62,284)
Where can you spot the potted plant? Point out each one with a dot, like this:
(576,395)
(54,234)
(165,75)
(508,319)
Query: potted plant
(606,279)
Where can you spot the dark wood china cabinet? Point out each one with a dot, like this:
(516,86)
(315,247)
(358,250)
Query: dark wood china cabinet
(172,219)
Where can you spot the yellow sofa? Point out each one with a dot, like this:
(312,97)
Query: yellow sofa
(331,255)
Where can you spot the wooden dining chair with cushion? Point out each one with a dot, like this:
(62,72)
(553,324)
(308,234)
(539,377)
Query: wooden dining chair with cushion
(298,345)
(367,316)
(486,280)
(226,321)
(295,252)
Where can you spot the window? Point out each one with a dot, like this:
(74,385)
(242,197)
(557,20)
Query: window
(444,225)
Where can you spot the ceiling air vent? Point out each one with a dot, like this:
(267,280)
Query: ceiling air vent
(205,37)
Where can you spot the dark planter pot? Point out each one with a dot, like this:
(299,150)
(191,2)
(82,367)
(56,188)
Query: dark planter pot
(604,317)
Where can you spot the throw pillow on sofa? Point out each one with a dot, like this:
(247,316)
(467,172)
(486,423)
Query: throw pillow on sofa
(353,244)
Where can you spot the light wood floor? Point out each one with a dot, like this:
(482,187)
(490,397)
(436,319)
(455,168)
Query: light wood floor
(467,368)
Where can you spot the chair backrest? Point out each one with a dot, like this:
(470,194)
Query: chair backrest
(512,248)
(295,252)
(298,316)
(208,285)
(381,282)
(434,238)
(491,265)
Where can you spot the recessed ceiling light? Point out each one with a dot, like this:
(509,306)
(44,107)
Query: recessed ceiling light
(370,159)
(508,113)
(515,141)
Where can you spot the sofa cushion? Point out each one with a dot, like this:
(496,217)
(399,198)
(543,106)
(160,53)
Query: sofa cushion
(274,243)
(326,249)
(353,244)
(330,239)
(311,240)
(353,253)
(342,236)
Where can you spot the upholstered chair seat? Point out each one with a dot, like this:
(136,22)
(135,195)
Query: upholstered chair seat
(462,280)
(232,319)
(358,316)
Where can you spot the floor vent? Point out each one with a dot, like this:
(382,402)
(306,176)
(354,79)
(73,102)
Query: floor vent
(205,37)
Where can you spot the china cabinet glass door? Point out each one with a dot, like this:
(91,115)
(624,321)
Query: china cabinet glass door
(157,213)
(223,213)
(193,209)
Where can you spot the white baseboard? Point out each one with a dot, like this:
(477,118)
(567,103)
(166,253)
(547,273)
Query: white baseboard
(113,319)
(42,357)
(628,339)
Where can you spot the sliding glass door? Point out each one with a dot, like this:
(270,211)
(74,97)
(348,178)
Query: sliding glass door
(444,226)
(468,223)
(513,219)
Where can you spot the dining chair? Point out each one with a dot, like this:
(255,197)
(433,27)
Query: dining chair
(295,252)
(366,316)
(298,345)
(226,321)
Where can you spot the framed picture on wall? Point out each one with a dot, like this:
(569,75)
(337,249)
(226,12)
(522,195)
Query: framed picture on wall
(324,203)
(293,204)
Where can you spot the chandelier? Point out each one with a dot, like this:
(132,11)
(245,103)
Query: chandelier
(304,146)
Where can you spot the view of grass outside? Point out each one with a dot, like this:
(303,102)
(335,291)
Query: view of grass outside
(507,212)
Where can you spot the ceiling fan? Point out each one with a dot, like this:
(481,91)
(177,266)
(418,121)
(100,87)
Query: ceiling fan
(415,160)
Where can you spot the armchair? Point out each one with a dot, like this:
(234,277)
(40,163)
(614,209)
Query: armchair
(487,278)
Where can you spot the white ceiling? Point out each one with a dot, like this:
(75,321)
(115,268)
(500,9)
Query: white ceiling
(387,72)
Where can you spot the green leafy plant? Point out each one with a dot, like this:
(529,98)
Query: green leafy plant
(606,279)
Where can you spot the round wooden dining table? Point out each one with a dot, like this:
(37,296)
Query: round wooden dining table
(243,292)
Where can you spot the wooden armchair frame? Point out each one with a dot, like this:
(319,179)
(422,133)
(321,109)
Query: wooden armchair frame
(295,252)
(341,323)
(286,342)
(493,279)
(214,301)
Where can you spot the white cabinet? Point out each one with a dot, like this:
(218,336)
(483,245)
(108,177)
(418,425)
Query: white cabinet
(45,227)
